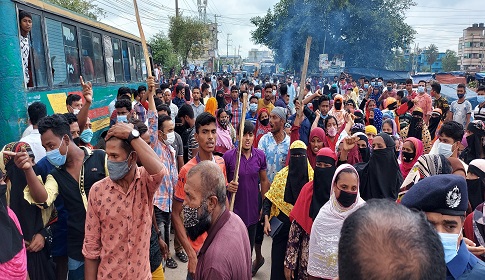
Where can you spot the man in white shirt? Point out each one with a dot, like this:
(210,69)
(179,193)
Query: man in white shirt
(37,111)
(25,22)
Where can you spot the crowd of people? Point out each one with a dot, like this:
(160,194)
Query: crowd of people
(331,177)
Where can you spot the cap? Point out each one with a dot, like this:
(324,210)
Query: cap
(280,112)
(446,194)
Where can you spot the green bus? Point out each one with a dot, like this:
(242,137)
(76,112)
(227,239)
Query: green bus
(63,46)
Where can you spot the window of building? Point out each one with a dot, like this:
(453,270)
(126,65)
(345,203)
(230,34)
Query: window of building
(37,53)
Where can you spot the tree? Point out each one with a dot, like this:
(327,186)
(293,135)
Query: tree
(163,52)
(431,54)
(83,7)
(188,36)
(450,61)
(363,32)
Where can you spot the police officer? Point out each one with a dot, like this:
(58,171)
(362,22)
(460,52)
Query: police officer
(444,199)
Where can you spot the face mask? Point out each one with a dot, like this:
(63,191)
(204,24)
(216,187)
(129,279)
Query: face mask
(407,157)
(445,149)
(87,135)
(332,131)
(264,122)
(258,94)
(460,95)
(118,170)
(396,153)
(366,86)
(420,89)
(480,98)
(170,138)
(346,199)
(338,105)
(253,107)
(450,244)
(379,83)
(389,88)
(122,119)
(55,157)
(76,141)
(191,218)
(194,224)
(364,153)
(75,111)
(274,92)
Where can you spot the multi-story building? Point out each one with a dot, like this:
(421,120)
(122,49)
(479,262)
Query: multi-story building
(255,55)
(471,48)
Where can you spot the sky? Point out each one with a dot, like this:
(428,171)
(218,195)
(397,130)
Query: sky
(439,22)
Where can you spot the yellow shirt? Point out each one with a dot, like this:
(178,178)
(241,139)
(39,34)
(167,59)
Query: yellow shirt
(261,104)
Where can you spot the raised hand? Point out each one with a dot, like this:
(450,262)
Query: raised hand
(87,90)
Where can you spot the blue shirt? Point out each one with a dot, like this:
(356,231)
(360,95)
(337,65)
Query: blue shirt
(305,127)
(249,117)
(465,266)
(275,153)
(178,101)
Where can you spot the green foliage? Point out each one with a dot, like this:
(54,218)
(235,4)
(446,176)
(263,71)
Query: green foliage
(432,54)
(83,7)
(364,32)
(163,52)
(450,61)
(187,35)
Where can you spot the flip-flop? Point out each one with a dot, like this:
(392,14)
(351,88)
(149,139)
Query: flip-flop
(256,268)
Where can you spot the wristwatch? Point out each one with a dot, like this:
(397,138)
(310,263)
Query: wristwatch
(133,134)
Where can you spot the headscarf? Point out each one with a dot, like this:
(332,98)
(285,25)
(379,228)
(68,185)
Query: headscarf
(325,233)
(359,117)
(321,183)
(357,155)
(211,106)
(416,125)
(223,139)
(479,224)
(320,134)
(276,192)
(426,166)
(393,125)
(475,145)
(418,151)
(371,129)
(381,176)
(434,122)
(476,188)
(10,236)
(297,177)
(367,111)
(221,103)
(377,119)
(260,128)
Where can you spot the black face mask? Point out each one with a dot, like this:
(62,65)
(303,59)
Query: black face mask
(407,157)
(397,154)
(264,122)
(76,140)
(338,105)
(388,133)
(346,199)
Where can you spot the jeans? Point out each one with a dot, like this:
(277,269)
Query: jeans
(76,269)
(163,222)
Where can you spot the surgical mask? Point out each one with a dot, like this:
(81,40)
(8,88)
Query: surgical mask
(264,122)
(170,138)
(332,131)
(379,83)
(87,135)
(407,157)
(274,92)
(75,111)
(460,95)
(480,98)
(366,86)
(122,119)
(450,244)
(445,149)
(118,169)
(253,107)
(420,89)
(257,94)
(55,157)
(346,199)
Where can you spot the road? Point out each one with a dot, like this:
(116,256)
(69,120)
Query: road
(180,272)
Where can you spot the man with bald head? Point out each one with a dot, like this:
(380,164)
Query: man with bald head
(205,211)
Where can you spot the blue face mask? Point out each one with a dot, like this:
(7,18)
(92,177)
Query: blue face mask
(379,83)
(253,107)
(445,149)
(480,98)
(420,89)
(55,157)
(450,244)
(366,86)
(258,94)
(87,135)
(123,119)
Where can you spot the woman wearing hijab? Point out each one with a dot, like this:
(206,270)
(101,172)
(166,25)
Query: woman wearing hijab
(332,131)
(474,227)
(223,139)
(475,180)
(412,149)
(338,110)
(475,133)
(354,150)
(33,219)
(370,105)
(325,233)
(376,119)
(426,166)
(262,125)
(381,176)
(276,205)
(211,106)
(389,126)
(418,129)
(221,102)
(434,124)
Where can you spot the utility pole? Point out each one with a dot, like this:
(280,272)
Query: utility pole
(227,45)
(176,8)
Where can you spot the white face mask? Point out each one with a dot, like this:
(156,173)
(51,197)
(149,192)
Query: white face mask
(170,138)
(75,111)
(445,149)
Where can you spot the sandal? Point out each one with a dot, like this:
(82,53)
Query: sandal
(257,267)
(171,263)
(182,256)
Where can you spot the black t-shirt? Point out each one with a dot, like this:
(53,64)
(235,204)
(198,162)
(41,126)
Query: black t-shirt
(94,171)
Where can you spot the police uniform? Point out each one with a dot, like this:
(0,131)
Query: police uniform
(447,194)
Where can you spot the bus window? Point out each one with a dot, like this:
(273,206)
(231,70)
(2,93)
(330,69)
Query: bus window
(92,58)
(71,52)
(138,62)
(131,52)
(126,61)
(38,52)
(118,66)
(108,54)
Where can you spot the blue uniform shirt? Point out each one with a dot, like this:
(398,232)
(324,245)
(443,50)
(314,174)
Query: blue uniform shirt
(465,266)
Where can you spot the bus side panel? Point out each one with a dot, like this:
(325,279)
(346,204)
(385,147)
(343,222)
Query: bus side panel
(13,106)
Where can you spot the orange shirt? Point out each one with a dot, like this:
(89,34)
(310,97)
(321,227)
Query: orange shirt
(118,226)
(179,193)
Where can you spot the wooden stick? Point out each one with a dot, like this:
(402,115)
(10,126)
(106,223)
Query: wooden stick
(241,133)
(143,41)
(303,71)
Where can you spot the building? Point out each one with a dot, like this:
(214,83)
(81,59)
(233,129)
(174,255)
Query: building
(417,61)
(256,56)
(210,46)
(471,48)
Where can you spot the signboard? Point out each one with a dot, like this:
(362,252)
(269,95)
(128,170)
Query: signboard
(323,62)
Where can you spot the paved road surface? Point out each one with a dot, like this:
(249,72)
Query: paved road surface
(180,272)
